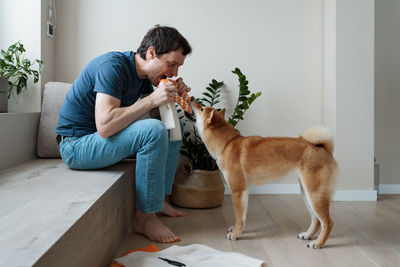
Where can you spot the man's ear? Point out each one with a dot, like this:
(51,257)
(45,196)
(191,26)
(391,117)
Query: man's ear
(222,111)
(151,53)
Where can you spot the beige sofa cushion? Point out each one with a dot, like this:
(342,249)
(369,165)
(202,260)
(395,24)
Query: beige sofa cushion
(53,98)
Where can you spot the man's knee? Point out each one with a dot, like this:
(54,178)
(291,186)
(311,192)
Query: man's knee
(154,129)
(157,128)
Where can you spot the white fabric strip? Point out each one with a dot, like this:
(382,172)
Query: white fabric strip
(194,255)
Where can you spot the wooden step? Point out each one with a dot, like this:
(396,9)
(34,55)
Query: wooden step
(51,215)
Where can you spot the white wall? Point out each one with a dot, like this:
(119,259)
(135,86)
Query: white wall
(277,44)
(20,21)
(387,89)
(47,46)
(24,20)
(355,93)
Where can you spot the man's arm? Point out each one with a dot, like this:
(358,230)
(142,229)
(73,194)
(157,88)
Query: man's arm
(111,118)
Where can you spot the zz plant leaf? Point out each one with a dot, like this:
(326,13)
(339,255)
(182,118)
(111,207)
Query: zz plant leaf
(192,145)
(244,101)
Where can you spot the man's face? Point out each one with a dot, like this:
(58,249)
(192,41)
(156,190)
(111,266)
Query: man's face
(164,66)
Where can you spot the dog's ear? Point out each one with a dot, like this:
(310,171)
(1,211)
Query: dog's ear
(222,111)
(212,117)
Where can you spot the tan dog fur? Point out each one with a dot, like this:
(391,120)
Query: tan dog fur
(255,160)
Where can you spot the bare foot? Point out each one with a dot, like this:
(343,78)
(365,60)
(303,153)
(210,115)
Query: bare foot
(152,228)
(172,212)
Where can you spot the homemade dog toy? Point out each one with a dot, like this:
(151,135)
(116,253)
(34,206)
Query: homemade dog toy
(183,100)
(169,115)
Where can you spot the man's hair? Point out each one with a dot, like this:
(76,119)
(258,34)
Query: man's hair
(164,39)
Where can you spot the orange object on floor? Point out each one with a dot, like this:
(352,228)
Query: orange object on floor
(150,248)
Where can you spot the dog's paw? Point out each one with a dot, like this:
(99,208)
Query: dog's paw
(304,236)
(313,244)
(230,229)
(231,236)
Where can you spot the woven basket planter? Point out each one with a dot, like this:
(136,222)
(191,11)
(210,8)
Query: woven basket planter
(198,189)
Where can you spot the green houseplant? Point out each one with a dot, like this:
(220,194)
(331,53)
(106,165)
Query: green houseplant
(16,69)
(192,145)
(200,185)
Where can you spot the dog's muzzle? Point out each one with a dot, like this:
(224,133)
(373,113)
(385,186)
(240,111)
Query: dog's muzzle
(191,116)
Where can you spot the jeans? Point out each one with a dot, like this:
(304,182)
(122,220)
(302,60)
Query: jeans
(156,158)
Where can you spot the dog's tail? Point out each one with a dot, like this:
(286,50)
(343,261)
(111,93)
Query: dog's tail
(319,136)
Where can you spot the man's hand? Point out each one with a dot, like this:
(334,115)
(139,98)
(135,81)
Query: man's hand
(163,94)
(181,86)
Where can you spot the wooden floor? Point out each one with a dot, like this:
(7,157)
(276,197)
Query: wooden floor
(364,234)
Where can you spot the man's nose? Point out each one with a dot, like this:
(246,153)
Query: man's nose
(175,72)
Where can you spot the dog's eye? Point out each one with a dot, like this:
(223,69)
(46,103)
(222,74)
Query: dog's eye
(201,110)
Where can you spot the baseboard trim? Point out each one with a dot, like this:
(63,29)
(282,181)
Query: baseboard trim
(274,189)
(271,189)
(390,189)
(340,195)
(355,195)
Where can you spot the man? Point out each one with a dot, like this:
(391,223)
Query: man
(98,123)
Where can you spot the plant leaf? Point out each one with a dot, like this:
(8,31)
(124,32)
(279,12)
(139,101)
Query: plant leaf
(13,64)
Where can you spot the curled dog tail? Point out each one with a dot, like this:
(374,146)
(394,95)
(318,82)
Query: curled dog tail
(319,136)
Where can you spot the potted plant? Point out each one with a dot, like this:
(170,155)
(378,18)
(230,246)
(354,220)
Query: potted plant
(199,184)
(15,70)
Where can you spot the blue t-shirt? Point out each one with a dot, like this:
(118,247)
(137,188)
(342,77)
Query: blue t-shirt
(113,74)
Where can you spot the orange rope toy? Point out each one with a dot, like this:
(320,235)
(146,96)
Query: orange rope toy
(183,100)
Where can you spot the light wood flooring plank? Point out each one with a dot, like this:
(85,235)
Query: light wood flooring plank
(291,224)
(249,242)
(364,234)
(333,253)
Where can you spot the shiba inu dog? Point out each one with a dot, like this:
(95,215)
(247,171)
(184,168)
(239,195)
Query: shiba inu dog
(255,160)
